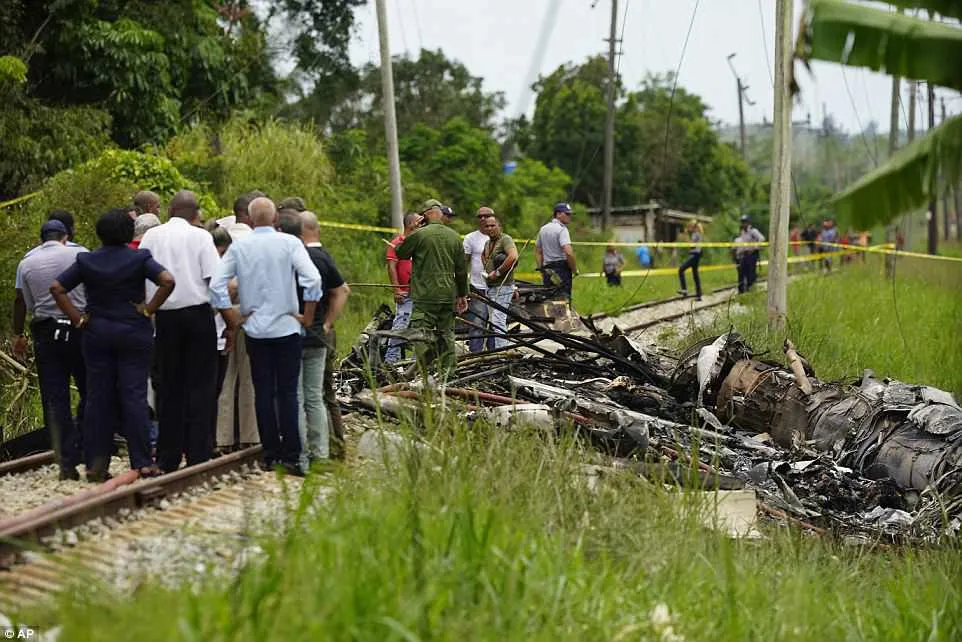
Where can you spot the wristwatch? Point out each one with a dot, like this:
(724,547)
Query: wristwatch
(83,321)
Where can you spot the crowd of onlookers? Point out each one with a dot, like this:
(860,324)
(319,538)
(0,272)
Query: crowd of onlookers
(229,320)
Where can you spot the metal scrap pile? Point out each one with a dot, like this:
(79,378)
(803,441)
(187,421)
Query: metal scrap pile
(871,459)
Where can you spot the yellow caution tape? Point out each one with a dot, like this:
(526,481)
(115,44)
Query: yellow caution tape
(358,227)
(19,199)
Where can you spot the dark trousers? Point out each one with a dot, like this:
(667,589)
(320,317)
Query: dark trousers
(748,271)
(558,274)
(275,371)
(117,356)
(59,358)
(330,397)
(691,262)
(613,279)
(187,361)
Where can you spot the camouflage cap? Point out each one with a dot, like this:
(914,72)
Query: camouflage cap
(430,204)
(295,203)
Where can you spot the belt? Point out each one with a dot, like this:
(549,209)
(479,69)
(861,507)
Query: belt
(45,321)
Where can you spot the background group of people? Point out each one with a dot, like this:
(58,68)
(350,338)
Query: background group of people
(233,324)
(436,275)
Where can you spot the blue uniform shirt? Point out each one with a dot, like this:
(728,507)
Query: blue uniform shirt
(114,278)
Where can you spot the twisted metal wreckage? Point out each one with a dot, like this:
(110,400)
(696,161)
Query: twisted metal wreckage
(866,459)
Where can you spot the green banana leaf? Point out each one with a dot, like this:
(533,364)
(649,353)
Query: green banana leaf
(906,181)
(945,8)
(861,36)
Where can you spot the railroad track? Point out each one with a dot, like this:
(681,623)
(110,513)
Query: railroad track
(31,573)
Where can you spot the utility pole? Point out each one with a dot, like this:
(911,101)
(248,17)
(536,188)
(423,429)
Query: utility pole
(890,231)
(907,220)
(945,192)
(610,122)
(390,118)
(781,171)
(741,106)
(932,217)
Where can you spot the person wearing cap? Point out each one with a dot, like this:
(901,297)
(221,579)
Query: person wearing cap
(747,255)
(295,203)
(439,286)
(399,273)
(55,343)
(477,315)
(553,251)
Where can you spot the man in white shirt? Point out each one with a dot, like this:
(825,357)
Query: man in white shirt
(477,309)
(186,341)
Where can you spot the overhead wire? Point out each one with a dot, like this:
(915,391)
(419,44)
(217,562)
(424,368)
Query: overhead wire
(671,102)
(582,169)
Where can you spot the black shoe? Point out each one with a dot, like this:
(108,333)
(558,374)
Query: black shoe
(98,476)
(682,292)
(69,473)
(294,470)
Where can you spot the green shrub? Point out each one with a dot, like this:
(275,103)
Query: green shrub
(277,158)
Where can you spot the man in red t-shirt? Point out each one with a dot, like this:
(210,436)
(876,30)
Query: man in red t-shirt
(399,271)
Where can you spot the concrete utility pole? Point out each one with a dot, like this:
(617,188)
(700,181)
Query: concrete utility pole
(390,119)
(741,104)
(610,122)
(945,192)
(906,221)
(933,217)
(781,171)
(890,231)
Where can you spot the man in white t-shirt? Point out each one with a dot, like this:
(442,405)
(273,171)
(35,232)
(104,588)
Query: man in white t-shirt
(477,313)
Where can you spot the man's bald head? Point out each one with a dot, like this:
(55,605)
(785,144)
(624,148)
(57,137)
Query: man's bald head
(184,205)
(147,202)
(310,229)
(263,212)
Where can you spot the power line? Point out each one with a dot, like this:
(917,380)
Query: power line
(858,120)
(417,23)
(768,61)
(674,84)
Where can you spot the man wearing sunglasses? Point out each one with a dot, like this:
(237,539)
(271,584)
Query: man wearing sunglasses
(477,309)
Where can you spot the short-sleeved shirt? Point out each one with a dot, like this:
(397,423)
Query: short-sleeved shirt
(18,283)
(37,272)
(613,261)
(644,256)
(114,278)
(829,235)
(750,235)
(190,256)
(403,265)
(552,237)
(331,279)
(474,247)
(495,253)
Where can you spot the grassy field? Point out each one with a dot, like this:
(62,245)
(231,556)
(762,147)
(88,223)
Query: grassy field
(496,536)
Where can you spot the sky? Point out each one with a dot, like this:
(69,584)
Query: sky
(496,39)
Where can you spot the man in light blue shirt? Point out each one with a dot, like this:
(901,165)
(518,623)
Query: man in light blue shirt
(265,264)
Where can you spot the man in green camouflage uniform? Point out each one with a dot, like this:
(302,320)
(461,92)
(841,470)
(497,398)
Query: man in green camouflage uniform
(439,286)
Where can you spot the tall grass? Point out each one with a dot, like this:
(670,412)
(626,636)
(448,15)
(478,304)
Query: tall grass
(909,327)
(497,536)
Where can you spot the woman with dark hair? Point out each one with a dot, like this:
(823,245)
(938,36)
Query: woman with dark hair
(117,341)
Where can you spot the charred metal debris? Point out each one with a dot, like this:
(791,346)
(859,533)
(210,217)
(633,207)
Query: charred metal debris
(870,460)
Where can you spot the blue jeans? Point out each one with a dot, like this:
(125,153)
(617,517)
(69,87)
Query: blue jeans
(117,356)
(275,368)
(402,317)
(499,320)
(314,427)
(478,315)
